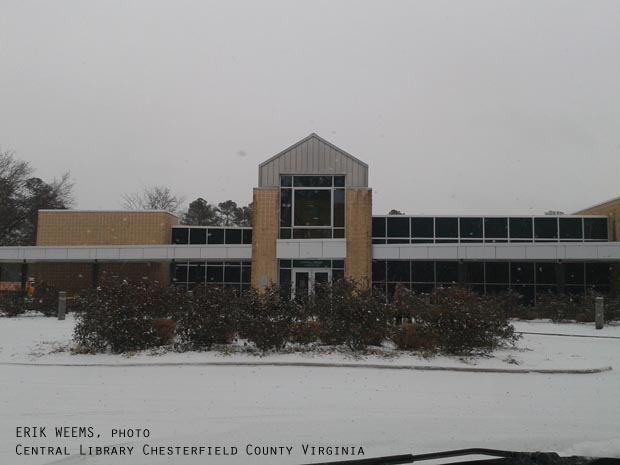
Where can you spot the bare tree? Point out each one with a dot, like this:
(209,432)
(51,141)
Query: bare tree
(22,196)
(153,198)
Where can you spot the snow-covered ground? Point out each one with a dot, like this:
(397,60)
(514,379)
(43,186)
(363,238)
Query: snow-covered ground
(384,411)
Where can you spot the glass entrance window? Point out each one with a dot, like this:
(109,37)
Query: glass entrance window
(312,207)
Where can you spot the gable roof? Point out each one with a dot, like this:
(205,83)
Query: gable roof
(306,140)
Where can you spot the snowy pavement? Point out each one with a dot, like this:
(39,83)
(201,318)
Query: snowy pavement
(384,411)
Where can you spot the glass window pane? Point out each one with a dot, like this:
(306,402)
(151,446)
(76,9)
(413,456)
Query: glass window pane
(338,181)
(398,271)
(197,273)
(496,228)
(312,181)
(215,236)
(215,274)
(571,228)
(474,272)
(285,277)
(446,227)
(398,227)
(232,274)
(597,274)
(338,264)
(520,228)
(233,236)
(285,233)
(180,273)
(301,233)
(423,272)
(286,207)
(247,236)
(471,228)
(286,181)
(595,228)
(422,227)
(545,273)
(246,274)
(546,228)
(574,273)
(338,208)
(497,272)
(378,270)
(378,227)
(313,207)
(180,235)
(285,264)
(197,236)
(339,233)
(522,272)
(447,272)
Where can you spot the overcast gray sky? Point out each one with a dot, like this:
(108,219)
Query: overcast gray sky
(466,107)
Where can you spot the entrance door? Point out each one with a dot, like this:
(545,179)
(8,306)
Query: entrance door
(306,280)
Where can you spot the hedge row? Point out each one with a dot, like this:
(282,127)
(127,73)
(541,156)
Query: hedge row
(128,317)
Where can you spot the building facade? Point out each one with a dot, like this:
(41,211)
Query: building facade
(312,223)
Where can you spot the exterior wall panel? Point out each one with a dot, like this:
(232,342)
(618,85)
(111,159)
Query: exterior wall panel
(265,223)
(359,235)
(313,155)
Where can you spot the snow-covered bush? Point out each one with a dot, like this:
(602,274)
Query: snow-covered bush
(266,318)
(45,299)
(350,314)
(11,304)
(456,320)
(209,318)
(119,317)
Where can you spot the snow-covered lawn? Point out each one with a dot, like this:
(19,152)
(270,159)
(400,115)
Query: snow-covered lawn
(384,411)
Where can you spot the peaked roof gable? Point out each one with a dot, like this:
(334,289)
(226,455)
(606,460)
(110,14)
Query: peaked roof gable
(306,140)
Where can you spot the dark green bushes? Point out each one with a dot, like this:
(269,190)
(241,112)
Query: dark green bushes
(453,320)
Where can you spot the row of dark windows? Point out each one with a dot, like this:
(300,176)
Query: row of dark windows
(230,274)
(493,276)
(424,229)
(311,181)
(206,235)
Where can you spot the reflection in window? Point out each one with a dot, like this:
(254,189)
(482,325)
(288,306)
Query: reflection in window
(546,228)
(595,229)
(471,228)
(496,228)
(520,228)
(446,227)
(571,228)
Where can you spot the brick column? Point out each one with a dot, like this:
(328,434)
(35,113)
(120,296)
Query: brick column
(265,225)
(359,235)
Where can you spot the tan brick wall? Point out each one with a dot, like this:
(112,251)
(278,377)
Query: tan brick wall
(359,235)
(66,227)
(612,210)
(265,224)
(69,277)
(74,277)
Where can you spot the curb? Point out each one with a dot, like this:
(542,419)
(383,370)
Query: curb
(584,371)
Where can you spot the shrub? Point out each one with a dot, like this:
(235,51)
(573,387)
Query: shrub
(11,304)
(120,316)
(305,332)
(45,299)
(266,318)
(350,314)
(408,337)
(164,330)
(209,318)
(457,321)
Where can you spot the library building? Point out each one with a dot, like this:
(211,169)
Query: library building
(313,223)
